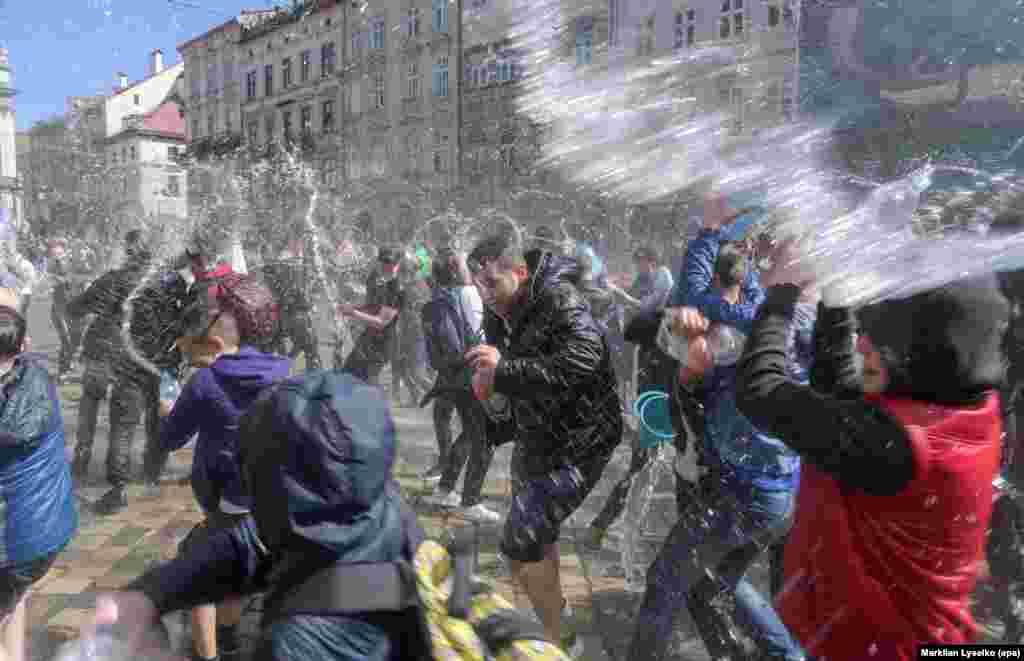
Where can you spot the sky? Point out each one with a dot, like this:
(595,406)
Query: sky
(75,47)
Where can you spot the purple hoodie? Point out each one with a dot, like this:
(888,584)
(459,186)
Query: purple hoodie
(211,403)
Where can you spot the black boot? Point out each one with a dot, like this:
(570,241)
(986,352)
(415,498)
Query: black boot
(715,623)
(111,502)
(80,469)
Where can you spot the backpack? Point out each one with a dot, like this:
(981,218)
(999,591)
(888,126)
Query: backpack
(156,318)
(460,618)
(439,358)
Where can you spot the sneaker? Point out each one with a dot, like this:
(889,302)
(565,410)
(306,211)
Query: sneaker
(572,645)
(448,499)
(151,490)
(433,474)
(480,513)
(111,502)
(594,538)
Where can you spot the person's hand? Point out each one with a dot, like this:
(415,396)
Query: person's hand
(165,407)
(483,356)
(686,322)
(698,360)
(134,620)
(483,383)
(789,267)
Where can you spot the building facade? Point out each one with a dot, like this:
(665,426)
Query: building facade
(10,183)
(145,131)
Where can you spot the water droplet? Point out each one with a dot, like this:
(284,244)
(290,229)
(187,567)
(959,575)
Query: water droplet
(873,649)
(931,501)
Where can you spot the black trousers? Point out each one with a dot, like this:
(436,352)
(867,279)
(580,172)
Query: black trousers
(471,450)
(69,331)
(297,325)
(1005,547)
(444,413)
(134,395)
(367,360)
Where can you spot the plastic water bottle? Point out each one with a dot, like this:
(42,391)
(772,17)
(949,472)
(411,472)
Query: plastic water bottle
(170,388)
(99,647)
(725,344)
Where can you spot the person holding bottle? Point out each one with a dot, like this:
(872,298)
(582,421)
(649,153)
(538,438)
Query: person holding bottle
(747,487)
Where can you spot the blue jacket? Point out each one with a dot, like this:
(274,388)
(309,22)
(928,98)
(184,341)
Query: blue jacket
(38,506)
(730,438)
(211,403)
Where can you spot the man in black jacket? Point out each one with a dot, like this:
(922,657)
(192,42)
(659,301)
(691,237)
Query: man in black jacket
(547,355)
(108,362)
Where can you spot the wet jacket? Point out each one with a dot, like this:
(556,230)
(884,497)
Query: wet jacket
(556,370)
(211,403)
(38,507)
(106,298)
(895,490)
(292,287)
(157,319)
(730,438)
(449,330)
(347,511)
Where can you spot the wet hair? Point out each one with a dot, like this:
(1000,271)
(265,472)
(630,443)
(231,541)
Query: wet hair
(12,331)
(503,247)
(731,265)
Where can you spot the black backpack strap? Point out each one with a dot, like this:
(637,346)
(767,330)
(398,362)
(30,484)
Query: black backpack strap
(358,588)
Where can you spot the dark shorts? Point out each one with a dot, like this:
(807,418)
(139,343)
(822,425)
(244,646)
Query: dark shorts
(542,502)
(213,522)
(15,581)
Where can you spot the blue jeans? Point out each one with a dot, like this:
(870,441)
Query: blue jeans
(707,554)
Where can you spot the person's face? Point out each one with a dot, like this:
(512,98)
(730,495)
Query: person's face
(874,375)
(645,265)
(57,252)
(389,270)
(499,285)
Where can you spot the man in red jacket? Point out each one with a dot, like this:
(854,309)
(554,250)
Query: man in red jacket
(896,485)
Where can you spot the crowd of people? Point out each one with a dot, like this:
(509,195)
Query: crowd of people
(854,450)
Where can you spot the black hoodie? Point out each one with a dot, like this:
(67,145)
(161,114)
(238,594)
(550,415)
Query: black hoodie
(556,369)
(942,346)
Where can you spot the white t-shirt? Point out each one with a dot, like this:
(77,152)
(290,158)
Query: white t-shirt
(472,306)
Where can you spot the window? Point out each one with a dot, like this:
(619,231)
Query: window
(504,70)
(378,90)
(441,78)
(286,73)
(137,99)
(377,34)
(584,40)
(441,160)
(327,59)
(305,64)
(306,120)
(268,79)
(380,160)
(194,83)
(412,22)
(440,15)
(268,127)
(250,85)
(286,124)
(327,116)
(613,22)
(412,90)
(686,28)
(252,128)
(229,120)
(645,47)
(731,22)
(173,186)
(229,72)
(195,133)
(212,85)
(358,37)
(172,153)
(132,153)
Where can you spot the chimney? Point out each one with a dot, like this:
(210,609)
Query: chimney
(122,80)
(156,62)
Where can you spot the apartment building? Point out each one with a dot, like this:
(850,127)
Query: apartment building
(10,185)
(144,134)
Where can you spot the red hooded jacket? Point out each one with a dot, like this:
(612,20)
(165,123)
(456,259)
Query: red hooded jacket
(872,577)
